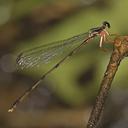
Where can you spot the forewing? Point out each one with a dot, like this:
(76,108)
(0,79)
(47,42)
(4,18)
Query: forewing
(45,53)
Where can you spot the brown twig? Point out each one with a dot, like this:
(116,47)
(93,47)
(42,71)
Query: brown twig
(119,52)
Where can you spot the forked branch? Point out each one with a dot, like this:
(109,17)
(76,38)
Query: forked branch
(119,52)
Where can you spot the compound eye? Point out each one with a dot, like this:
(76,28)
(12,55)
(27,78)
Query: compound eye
(107,24)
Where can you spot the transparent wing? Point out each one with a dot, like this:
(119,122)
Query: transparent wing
(45,53)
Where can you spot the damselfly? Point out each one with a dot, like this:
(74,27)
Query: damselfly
(45,53)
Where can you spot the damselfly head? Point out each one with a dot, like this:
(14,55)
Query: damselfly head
(106,24)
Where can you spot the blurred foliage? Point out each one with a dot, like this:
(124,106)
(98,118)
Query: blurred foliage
(63,78)
(27,24)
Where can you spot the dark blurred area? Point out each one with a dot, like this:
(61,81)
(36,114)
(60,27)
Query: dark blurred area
(65,98)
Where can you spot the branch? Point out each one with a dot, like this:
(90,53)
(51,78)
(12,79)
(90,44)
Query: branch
(119,52)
